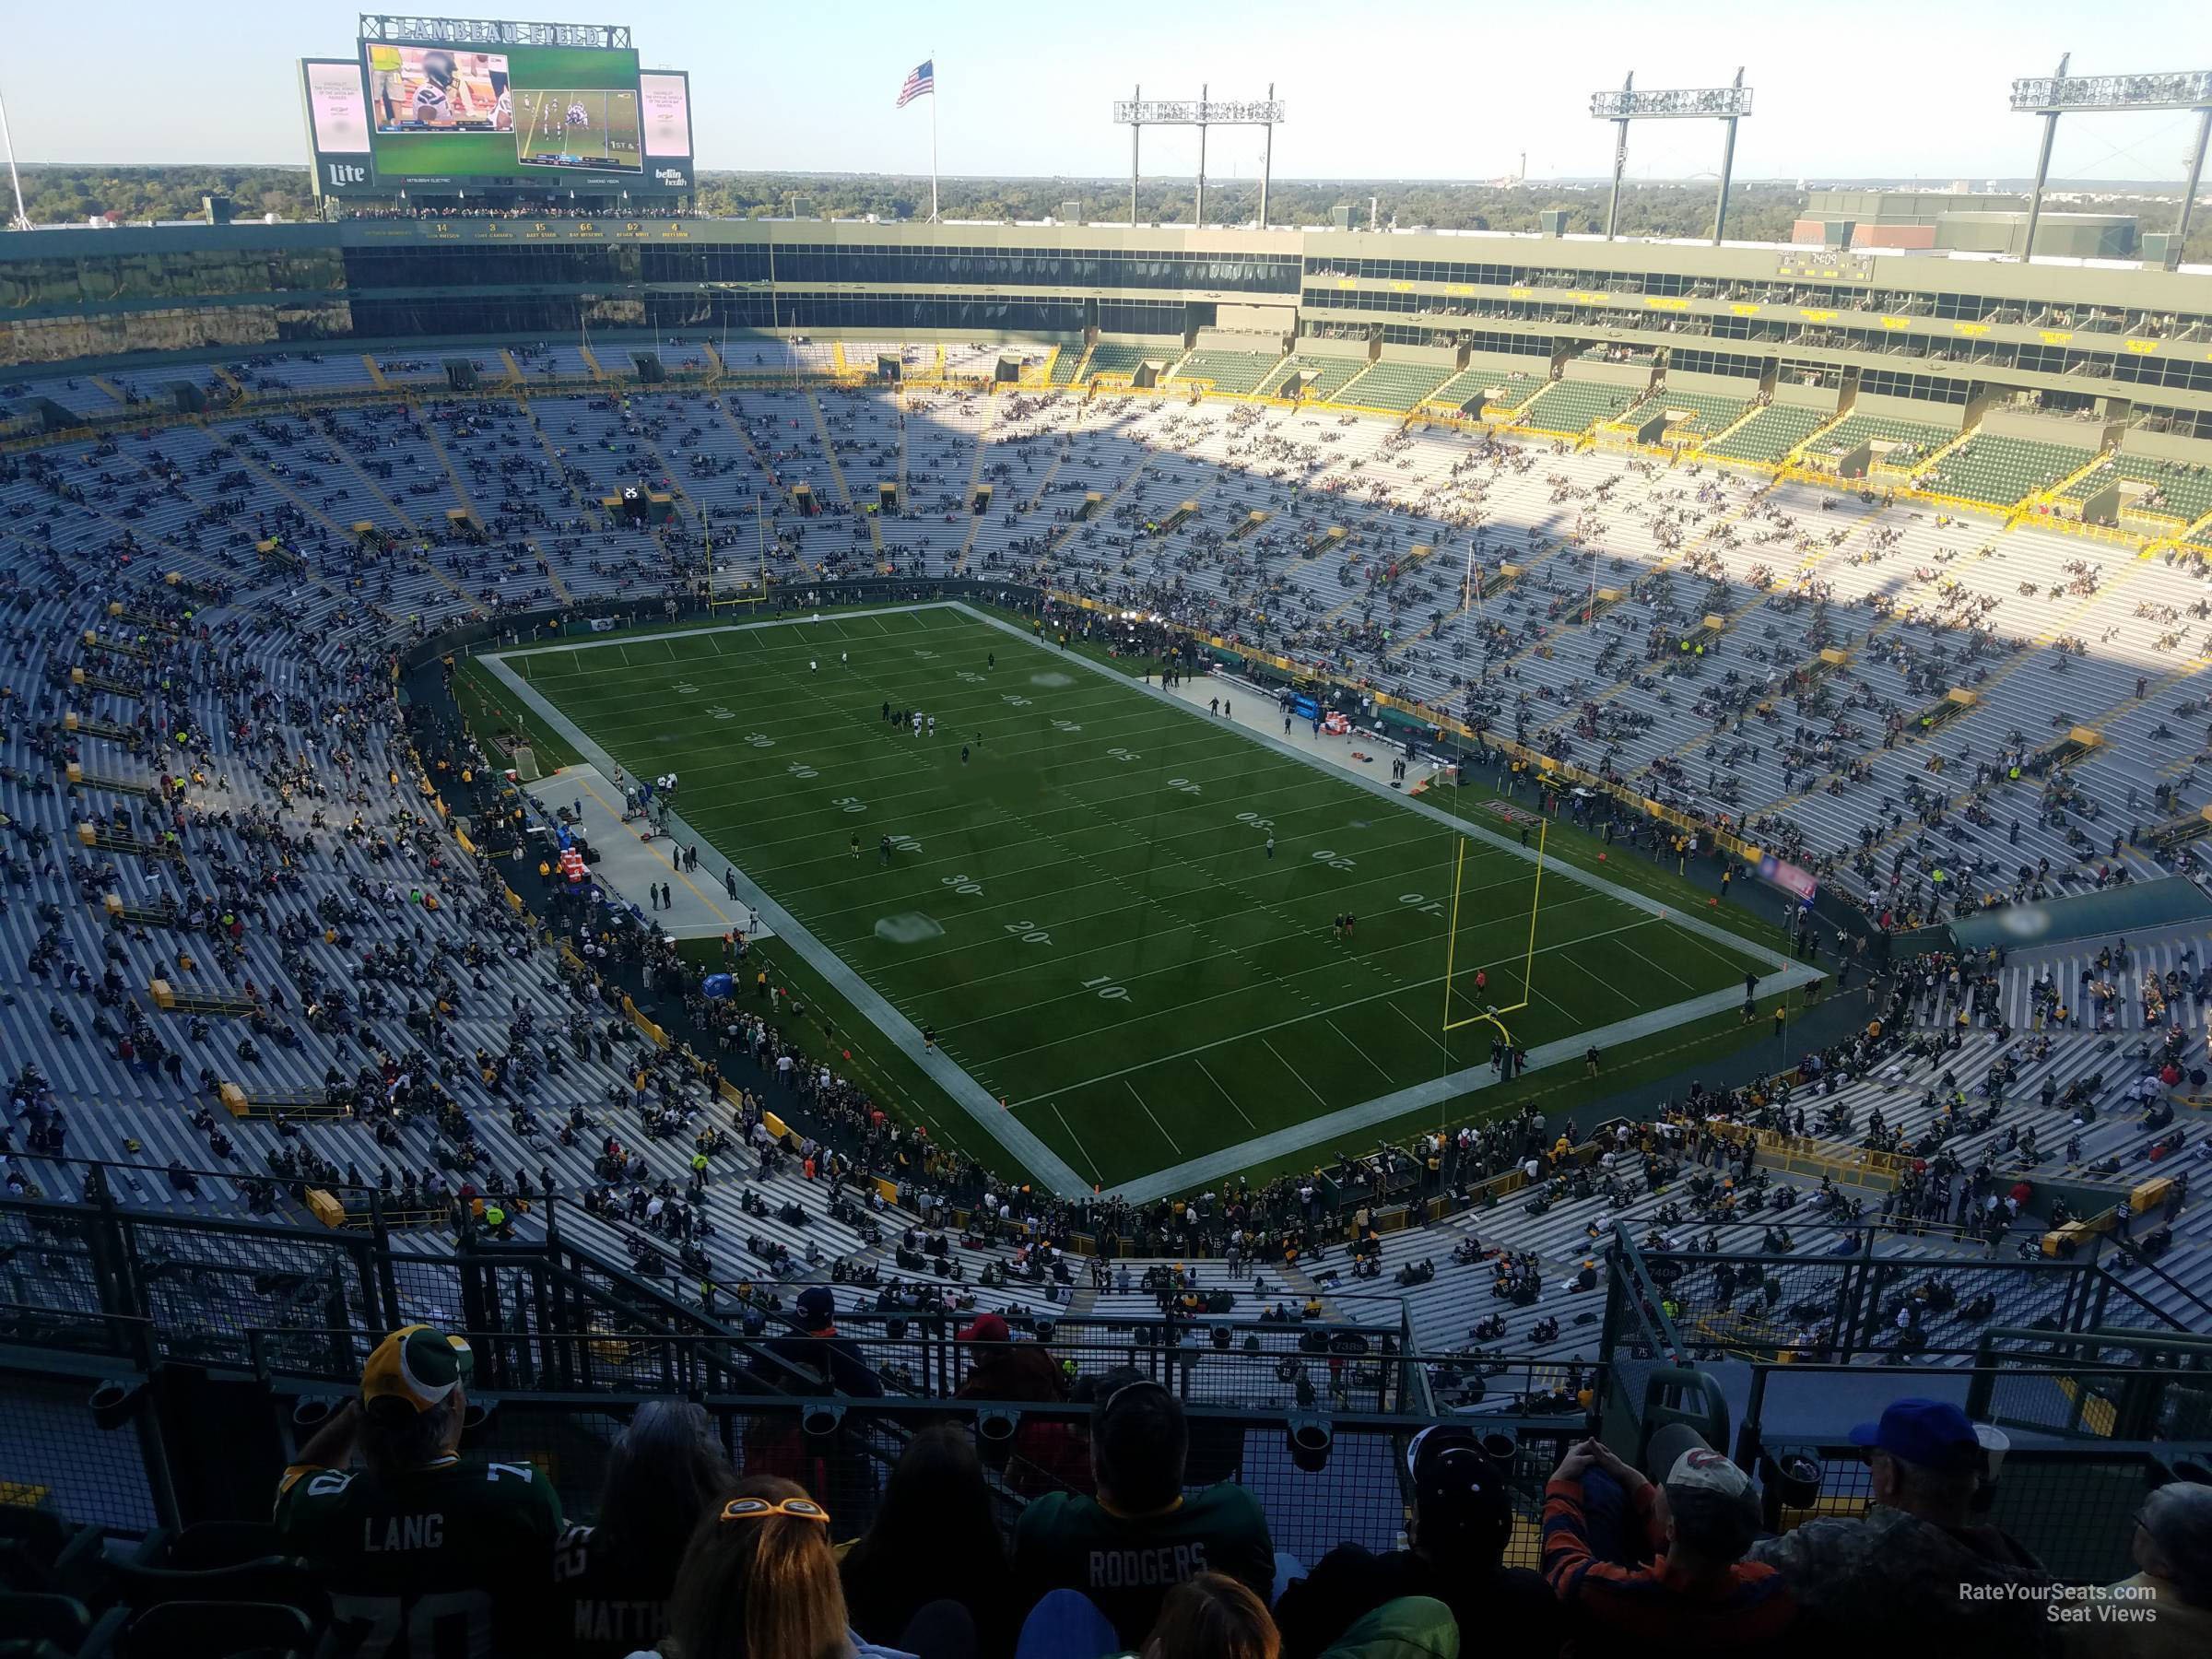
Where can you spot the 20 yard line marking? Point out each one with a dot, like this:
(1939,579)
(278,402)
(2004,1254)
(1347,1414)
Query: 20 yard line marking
(1149,1113)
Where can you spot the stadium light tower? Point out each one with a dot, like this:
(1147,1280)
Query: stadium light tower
(1726,105)
(2063,94)
(1137,113)
(20,220)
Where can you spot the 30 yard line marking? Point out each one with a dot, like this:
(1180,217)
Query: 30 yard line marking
(1149,1113)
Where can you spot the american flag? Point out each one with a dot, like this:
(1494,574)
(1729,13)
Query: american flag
(922,82)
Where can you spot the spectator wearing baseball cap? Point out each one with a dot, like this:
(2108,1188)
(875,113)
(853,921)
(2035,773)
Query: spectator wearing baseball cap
(812,1362)
(414,1521)
(1915,1571)
(1687,1589)
(820,1353)
(1048,1457)
(1462,1523)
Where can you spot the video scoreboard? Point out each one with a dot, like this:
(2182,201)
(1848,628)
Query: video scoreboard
(448,106)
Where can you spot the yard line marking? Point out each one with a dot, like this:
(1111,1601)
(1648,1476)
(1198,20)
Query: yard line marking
(1359,1050)
(1357,1002)
(1149,1113)
(1426,1035)
(1226,1095)
(1676,977)
(1089,804)
(1096,1174)
(1292,1069)
(1594,975)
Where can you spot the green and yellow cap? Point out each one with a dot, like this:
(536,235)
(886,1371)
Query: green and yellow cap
(418,1368)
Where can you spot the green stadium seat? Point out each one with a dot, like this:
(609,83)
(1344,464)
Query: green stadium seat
(2177,492)
(1899,445)
(1692,414)
(1330,375)
(1118,356)
(1575,405)
(1770,435)
(1237,373)
(1395,385)
(2002,471)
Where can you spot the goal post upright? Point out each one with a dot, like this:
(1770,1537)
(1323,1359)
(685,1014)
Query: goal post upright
(1528,966)
(1459,863)
(725,587)
(1491,1015)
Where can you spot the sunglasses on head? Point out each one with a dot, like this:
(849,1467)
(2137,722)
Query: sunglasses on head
(756,1508)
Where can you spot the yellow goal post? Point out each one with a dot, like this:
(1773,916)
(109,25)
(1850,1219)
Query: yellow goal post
(1492,1016)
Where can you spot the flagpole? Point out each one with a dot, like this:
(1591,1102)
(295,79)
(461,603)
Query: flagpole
(933,135)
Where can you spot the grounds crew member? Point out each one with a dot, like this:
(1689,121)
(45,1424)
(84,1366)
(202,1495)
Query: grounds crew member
(420,1548)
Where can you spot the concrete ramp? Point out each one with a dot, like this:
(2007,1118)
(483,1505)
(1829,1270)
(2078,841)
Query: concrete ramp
(631,864)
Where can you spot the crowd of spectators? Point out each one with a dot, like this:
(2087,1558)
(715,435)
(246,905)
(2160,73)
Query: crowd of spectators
(1661,1552)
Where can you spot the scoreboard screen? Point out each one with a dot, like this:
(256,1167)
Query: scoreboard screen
(443,114)
(525,108)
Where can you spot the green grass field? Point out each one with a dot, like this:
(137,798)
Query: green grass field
(1084,912)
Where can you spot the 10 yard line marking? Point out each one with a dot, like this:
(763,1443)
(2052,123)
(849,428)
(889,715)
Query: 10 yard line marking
(1149,1113)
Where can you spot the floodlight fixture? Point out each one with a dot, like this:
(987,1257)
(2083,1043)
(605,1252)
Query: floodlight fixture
(1138,112)
(2052,96)
(1726,105)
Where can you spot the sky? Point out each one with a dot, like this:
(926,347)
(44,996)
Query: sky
(1416,89)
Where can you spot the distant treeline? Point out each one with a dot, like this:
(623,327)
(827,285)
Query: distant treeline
(1758,210)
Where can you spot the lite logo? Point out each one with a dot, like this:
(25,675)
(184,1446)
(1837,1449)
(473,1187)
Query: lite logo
(346,173)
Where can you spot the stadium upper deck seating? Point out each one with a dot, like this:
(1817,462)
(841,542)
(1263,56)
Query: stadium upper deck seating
(1771,434)
(534,471)
(1326,376)
(2178,489)
(1901,446)
(1067,363)
(2002,471)
(1692,413)
(1504,393)
(1575,405)
(1119,356)
(1227,371)
(1395,385)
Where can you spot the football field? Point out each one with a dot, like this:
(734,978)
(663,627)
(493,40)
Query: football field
(1077,902)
